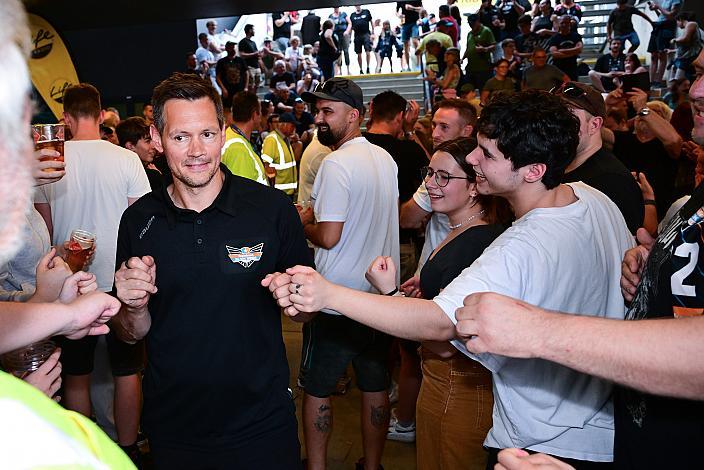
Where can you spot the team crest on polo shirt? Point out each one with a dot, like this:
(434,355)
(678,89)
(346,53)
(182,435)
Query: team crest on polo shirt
(245,256)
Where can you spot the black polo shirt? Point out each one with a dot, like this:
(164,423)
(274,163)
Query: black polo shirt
(217,373)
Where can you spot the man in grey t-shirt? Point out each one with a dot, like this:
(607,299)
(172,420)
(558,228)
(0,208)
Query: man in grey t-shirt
(541,75)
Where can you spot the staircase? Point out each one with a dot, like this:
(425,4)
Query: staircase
(593,27)
(407,84)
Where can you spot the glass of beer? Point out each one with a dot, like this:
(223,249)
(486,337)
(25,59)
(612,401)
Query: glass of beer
(24,361)
(49,136)
(79,249)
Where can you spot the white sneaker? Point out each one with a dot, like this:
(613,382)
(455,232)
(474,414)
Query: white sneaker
(401,433)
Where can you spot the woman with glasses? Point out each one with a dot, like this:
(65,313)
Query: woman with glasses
(454,409)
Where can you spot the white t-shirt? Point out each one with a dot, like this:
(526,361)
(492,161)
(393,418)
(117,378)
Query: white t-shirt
(357,185)
(92,196)
(566,259)
(309,166)
(437,229)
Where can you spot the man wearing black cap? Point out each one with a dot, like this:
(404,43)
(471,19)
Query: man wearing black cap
(593,164)
(354,220)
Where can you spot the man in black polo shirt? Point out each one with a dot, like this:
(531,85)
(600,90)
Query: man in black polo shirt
(216,385)
(361,19)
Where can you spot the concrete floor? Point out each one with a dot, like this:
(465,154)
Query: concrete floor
(346,441)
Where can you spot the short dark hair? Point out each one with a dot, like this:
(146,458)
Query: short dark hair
(244,105)
(532,127)
(132,129)
(202,35)
(444,10)
(386,106)
(82,101)
(184,86)
(248,28)
(466,111)
(496,209)
(472,18)
(525,19)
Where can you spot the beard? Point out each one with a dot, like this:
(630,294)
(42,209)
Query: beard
(199,181)
(327,136)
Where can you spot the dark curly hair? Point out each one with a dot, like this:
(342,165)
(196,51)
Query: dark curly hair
(496,209)
(532,127)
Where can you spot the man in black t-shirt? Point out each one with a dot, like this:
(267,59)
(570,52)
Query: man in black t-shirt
(361,20)
(282,22)
(565,47)
(310,28)
(389,120)
(620,24)
(609,66)
(281,75)
(232,76)
(249,51)
(409,12)
(216,383)
(593,164)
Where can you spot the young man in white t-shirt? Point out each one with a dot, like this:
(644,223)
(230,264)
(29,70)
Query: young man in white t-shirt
(101,181)
(563,252)
(355,199)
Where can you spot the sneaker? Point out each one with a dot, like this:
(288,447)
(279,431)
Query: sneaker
(401,433)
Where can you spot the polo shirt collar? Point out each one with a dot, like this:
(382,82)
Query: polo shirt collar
(225,201)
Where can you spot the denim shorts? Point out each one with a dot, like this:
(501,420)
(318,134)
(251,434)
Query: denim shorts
(409,31)
(631,37)
(334,342)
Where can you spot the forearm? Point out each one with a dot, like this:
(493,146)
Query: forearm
(317,236)
(655,356)
(650,219)
(408,318)
(131,325)
(667,134)
(25,323)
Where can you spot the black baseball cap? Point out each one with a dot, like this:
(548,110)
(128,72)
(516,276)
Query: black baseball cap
(582,96)
(288,117)
(337,89)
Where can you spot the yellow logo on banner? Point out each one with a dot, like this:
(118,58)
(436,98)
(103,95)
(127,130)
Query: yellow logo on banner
(50,64)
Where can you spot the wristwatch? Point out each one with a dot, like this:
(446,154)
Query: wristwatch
(644,111)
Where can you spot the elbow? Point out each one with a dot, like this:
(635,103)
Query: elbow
(329,242)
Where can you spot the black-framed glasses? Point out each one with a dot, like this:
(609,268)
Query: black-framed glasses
(442,177)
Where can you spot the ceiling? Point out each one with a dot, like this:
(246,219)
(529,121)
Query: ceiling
(90,14)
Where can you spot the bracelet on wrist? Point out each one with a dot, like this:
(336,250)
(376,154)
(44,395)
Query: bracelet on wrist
(393,292)
(649,202)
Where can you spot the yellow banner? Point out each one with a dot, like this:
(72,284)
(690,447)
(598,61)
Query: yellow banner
(50,64)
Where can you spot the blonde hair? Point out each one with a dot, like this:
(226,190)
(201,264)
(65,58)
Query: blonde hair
(661,108)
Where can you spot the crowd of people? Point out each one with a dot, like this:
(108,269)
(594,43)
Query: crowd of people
(512,247)
(308,45)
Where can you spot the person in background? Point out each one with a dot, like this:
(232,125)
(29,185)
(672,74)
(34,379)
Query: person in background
(342,30)
(620,24)
(237,153)
(249,51)
(661,37)
(282,150)
(565,47)
(232,76)
(133,134)
(148,113)
(215,45)
(608,67)
(281,23)
(409,12)
(689,44)
(206,60)
(361,20)
(329,50)
(293,57)
(480,45)
(499,83)
(678,93)
(541,75)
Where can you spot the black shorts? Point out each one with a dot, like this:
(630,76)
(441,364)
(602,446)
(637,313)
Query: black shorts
(661,37)
(362,40)
(125,359)
(335,341)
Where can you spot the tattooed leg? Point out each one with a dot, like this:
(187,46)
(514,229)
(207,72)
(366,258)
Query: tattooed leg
(317,427)
(375,425)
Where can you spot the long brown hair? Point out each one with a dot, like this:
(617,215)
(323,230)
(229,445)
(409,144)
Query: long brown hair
(496,209)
